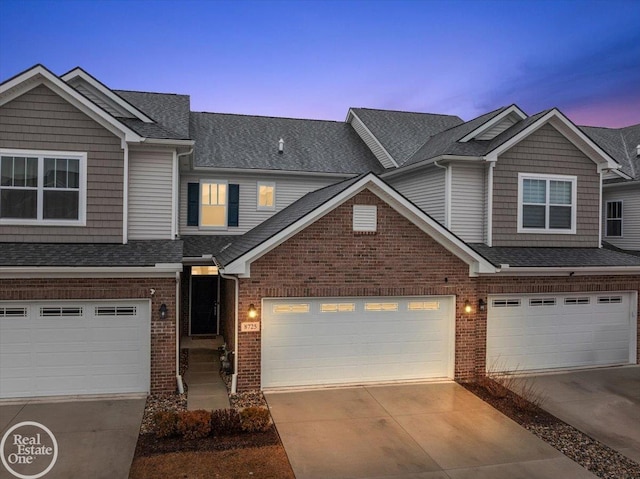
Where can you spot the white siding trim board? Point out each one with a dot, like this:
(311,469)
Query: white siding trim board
(372,142)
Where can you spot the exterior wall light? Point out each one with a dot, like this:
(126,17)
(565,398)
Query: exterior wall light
(163,311)
(252,311)
(482,305)
(467,307)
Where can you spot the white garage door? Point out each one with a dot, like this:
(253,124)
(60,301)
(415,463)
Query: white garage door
(526,332)
(316,341)
(55,348)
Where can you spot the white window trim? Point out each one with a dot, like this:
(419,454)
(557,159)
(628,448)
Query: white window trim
(226,205)
(606,219)
(260,207)
(82,195)
(548,178)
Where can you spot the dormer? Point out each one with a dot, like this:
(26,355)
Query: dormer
(496,125)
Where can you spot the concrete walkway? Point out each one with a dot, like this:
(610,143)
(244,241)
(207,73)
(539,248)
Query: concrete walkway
(206,389)
(409,431)
(603,403)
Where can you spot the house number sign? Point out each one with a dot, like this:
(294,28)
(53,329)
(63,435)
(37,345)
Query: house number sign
(250,327)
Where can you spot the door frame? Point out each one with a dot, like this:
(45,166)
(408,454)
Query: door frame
(217,333)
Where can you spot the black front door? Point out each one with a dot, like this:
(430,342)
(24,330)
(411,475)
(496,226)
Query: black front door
(204,296)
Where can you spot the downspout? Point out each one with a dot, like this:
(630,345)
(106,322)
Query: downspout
(490,205)
(447,194)
(125,194)
(234,376)
(601,215)
(178,377)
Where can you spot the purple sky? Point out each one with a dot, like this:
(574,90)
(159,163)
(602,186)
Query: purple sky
(315,59)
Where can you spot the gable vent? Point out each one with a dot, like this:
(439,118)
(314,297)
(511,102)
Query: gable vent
(365,218)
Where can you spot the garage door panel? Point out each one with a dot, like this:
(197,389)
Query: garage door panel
(561,335)
(353,345)
(86,354)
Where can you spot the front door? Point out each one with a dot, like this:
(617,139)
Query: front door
(204,305)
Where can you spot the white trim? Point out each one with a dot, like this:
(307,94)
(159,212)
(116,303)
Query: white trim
(350,114)
(167,142)
(125,195)
(175,184)
(493,121)
(569,130)
(38,75)
(506,270)
(82,190)
(160,270)
(260,207)
(548,178)
(258,171)
(86,77)
(606,218)
(477,263)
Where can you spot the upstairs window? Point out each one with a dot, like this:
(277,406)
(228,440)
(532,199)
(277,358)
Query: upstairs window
(266,196)
(213,204)
(547,204)
(46,188)
(614,219)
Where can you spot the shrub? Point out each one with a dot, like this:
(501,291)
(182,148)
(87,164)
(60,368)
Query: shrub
(194,424)
(164,423)
(255,419)
(225,421)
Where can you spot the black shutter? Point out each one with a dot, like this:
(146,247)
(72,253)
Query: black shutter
(233,212)
(193,204)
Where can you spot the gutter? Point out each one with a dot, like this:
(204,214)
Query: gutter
(179,382)
(160,269)
(234,376)
(507,270)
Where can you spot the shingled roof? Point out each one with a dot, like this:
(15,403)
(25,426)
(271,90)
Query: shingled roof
(621,144)
(251,142)
(401,133)
(170,111)
(134,253)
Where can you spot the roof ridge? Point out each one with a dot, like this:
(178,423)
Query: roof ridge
(247,115)
(402,111)
(150,92)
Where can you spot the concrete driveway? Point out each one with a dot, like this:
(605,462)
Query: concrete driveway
(603,403)
(408,431)
(96,437)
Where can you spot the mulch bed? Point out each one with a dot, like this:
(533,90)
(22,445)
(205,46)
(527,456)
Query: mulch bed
(594,456)
(149,444)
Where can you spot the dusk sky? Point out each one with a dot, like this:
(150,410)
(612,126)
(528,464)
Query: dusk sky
(315,59)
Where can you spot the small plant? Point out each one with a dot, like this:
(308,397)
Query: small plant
(165,423)
(255,419)
(194,424)
(225,421)
(501,382)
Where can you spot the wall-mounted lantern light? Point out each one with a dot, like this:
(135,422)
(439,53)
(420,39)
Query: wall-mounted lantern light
(252,311)
(482,305)
(163,311)
(467,307)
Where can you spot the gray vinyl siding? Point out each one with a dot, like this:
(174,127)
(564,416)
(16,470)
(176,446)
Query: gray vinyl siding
(630,196)
(41,120)
(496,129)
(288,190)
(150,194)
(467,202)
(545,151)
(375,147)
(425,189)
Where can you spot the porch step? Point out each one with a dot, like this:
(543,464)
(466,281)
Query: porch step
(206,389)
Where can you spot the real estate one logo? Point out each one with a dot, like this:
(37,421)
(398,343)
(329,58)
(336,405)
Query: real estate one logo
(28,450)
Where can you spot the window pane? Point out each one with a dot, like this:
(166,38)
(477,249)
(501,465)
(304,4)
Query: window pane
(61,205)
(49,172)
(6,171)
(614,210)
(213,216)
(32,173)
(222,194)
(533,216)
(61,173)
(73,175)
(19,172)
(266,195)
(535,191)
(614,227)
(560,192)
(206,193)
(18,203)
(560,217)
